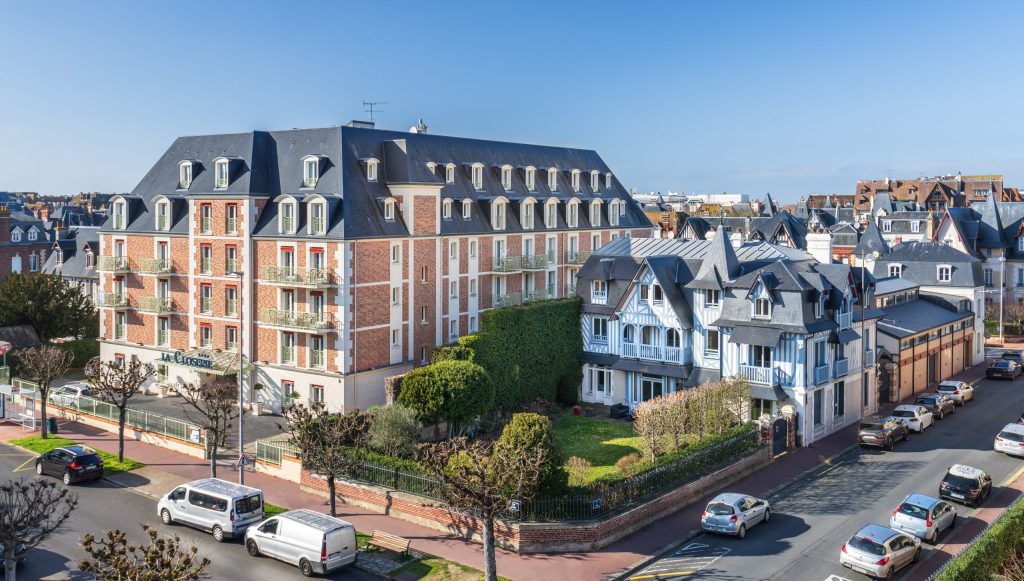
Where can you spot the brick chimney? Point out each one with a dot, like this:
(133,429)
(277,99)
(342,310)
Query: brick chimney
(5,224)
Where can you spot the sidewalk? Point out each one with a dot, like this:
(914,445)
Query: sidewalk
(164,468)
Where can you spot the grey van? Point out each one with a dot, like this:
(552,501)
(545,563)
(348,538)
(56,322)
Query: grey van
(224,508)
(314,542)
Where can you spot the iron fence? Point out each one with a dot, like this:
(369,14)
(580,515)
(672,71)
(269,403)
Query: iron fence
(273,449)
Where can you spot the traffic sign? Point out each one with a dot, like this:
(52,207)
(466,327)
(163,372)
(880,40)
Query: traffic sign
(242,461)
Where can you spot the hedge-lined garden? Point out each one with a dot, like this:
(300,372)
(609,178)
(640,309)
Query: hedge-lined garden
(1002,544)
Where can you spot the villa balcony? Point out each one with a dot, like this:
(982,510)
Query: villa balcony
(158,305)
(157,266)
(292,320)
(296,277)
(599,297)
(508,264)
(115,264)
(113,301)
(842,367)
(535,261)
(654,352)
(758,375)
(821,374)
(576,257)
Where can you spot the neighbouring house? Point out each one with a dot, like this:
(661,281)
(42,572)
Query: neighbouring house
(23,243)
(659,316)
(73,257)
(333,258)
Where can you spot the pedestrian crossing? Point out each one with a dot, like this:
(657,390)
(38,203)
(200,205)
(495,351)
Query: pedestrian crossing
(683,563)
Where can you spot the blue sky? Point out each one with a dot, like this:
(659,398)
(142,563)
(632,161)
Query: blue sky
(745,97)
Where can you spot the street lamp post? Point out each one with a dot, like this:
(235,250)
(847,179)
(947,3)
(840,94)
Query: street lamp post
(1002,291)
(863,300)
(241,403)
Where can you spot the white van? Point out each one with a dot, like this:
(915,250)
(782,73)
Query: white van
(224,508)
(314,542)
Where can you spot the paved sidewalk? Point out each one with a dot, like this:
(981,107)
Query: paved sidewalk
(165,468)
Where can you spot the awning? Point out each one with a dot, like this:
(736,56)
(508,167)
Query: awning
(843,336)
(766,336)
(774,393)
(652,368)
(203,361)
(599,358)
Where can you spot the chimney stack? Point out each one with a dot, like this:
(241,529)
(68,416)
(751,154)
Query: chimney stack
(5,224)
(819,245)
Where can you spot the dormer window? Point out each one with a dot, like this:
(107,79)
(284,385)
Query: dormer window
(446,209)
(477,173)
(595,181)
(317,218)
(595,214)
(608,180)
(119,213)
(163,215)
(498,215)
(467,209)
(531,178)
(16,235)
(527,217)
(286,220)
(310,171)
(575,180)
(90,258)
(506,177)
(895,270)
(184,175)
(33,234)
(553,179)
(573,214)
(221,173)
(613,213)
(551,214)
(449,173)
(389,210)
(944,273)
(762,308)
(371,169)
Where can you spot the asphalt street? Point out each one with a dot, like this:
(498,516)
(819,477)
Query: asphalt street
(103,506)
(814,517)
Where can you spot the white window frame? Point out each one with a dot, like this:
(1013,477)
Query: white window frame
(396,253)
(553,179)
(467,209)
(708,351)
(613,213)
(16,235)
(758,312)
(915,226)
(222,174)
(33,234)
(472,248)
(551,214)
(290,204)
(506,177)
(599,330)
(886,225)
(499,215)
(372,169)
(527,215)
(531,178)
(310,171)
(477,175)
(184,175)
(595,214)
(944,269)
(119,213)
(317,205)
(453,289)
(446,209)
(595,181)
(573,214)
(895,271)
(163,208)
(389,210)
(449,173)
(575,180)
(608,180)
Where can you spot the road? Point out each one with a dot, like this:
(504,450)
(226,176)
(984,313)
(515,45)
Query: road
(103,506)
(814,517)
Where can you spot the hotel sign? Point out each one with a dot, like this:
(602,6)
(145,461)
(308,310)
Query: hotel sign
(180,358)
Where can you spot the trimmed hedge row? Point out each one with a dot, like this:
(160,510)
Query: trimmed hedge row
(986,555)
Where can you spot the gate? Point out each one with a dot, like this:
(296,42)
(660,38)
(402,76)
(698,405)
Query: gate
(780,431)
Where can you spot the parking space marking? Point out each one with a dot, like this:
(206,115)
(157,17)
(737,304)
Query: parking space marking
(25,465)
(686,561)
(836,578)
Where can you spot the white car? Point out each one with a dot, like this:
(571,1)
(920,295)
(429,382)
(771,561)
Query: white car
(69,395)
(1010,440)
(917,417)
(960,392)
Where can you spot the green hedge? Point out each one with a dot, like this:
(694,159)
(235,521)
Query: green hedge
(986,555)
(84,350)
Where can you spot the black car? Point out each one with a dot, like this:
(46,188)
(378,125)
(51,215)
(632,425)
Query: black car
(966,485)
(1003,369)
(884,432)
(939,405)
(1013,355)
(71,463)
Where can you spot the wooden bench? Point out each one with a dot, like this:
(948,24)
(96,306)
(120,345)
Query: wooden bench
(389,541)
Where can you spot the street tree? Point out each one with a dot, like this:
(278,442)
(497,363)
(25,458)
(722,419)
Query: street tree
(41,365)
(213,406)
(51,305)
(30,511)
(116,382)
(483,479)
(113,558)
(331,445)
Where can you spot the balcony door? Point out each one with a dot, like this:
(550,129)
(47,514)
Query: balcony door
(288,301)
(288,261)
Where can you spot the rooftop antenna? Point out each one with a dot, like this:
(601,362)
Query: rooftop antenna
(372,106)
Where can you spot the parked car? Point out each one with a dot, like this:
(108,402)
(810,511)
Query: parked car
(966,485)
(917,416)
(71,464)
(733,514)
(879,551)
(923,516)
(1003,369)
(70,395)
(224,508)
(960,392)
(1013,355)
(938,404)
(314,542)
(1010,440)
(884,432)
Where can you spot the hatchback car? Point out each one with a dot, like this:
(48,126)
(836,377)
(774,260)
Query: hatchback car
(1003,369)
(879,551)
(966,485)
(69,396)
(71,464)
(940,405)
(923,516)
(733,514)
(884,432)
(960,392)
(1010,440)
(917,417)
(1013,355)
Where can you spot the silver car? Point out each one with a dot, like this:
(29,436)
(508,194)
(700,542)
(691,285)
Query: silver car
(960,392)
(733,514)
(879,551)
(70,395)
(923,516)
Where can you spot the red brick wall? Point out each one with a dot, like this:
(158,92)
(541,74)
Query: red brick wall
(424,215)
(426,296)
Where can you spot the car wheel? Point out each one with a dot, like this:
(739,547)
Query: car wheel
(889,575)
(942,416)
(930,539)
(742,532)
(67,478)
(165,516)
(917,555)
(906,435)
(39,468)
(253,549)
(306,568)
(888,443)
(767,514)
(218,534)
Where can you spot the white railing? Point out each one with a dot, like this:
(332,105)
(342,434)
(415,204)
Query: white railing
(651,352)
(842,367)
(598,346)
(674,354)
(844,320)
(760,375)
(821,374)
(629,350)
(599,297)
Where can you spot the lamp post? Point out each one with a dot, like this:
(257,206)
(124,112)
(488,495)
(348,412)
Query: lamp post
(1002,291)
(241,403)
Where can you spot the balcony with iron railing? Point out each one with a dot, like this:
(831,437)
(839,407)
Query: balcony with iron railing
(161,223)
(291,276)
(317,226)
(508,263)
(206,265)
(159,305)
(821,374)
(576,256)
(205,305)
(296,320)
(841,368)
(112,264)
(157,266)
(756,374)
(508,300)
(288,354)
(206,225)
(535,261)
(287,224)
(114,300)
(231,307)
(231,225)
(844,320)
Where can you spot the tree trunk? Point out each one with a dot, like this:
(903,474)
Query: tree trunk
(42,412)
(490,562)
(212,447)
(122,412)
(10,564)
(331,491)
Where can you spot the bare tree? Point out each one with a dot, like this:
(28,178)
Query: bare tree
(42,365)
(330,445)
(116,382)
(484,478)
(30,511)
(213,406)
(113,558)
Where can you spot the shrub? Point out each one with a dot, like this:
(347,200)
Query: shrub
(83,350)
(986,555)
(528,431)
(455,351)
(395,430)
(577,469)
(453,390)
(623,464)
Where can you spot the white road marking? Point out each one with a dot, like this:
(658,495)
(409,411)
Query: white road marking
(836,578)
(687,560)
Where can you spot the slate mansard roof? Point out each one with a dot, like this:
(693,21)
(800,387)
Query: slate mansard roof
(73,252)
(269,164)
(921,259)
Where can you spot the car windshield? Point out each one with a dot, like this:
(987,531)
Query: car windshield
(959,481)
(867,545)
(719,508)
(1002,364)
(248,504)
(904,414)
(949,388)
(1012,436)
(913,510)
(871,425)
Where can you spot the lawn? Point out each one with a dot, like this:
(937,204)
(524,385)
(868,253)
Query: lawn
(270,510)
(601,442)
(434,569)
(110,464)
